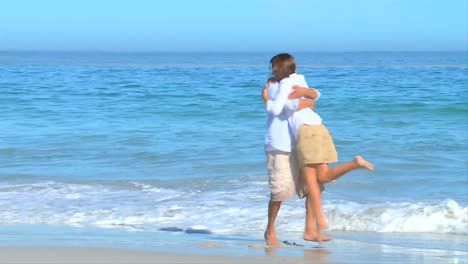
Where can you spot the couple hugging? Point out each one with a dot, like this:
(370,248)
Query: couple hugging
(298,148)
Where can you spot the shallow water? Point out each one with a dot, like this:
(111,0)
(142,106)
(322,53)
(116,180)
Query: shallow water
(145,141)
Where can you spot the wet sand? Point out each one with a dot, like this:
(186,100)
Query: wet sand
(343,252)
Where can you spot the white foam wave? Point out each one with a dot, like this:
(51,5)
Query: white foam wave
(232,211)
(445,217)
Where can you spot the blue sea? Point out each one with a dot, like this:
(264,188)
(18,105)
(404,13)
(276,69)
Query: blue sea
(144,141)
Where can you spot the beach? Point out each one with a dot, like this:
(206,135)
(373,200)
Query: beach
(147,157)
(92,255)
(84,245)
(84,255)
(340,252)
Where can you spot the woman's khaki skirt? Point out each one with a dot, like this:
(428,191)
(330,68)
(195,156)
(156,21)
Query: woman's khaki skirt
(315,145)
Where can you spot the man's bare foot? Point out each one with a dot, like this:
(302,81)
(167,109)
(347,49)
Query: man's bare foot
(314,237)
(270,238)
(363,164)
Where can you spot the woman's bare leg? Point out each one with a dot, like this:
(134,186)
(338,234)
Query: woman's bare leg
(314,202)
(326,175)
(310,232)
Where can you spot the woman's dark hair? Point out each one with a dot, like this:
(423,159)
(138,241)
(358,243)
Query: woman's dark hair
(282,65)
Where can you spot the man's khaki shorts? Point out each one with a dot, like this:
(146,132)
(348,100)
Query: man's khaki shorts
(284,177)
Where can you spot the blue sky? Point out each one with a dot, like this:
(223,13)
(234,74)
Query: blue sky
(237,25)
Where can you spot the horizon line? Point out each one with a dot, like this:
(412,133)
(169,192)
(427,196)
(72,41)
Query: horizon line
(214,52)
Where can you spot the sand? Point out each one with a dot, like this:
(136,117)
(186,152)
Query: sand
(256,253)
(53,245)
(14,255)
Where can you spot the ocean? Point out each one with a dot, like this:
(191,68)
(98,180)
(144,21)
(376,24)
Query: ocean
(144,141)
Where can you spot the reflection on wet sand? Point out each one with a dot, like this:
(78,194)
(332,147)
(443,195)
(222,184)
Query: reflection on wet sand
(316,255)
(311,255)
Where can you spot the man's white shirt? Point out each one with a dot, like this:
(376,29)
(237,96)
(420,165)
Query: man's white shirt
(283,121)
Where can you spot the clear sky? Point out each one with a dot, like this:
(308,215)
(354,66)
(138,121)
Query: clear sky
(237,25)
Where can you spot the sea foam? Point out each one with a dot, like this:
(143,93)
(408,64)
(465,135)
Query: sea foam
(236,211)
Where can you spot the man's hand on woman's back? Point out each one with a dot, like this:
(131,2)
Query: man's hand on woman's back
(303,92)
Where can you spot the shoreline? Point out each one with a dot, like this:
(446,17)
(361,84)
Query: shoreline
(64,244)
(147,247)
(69,255)
(326,255)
